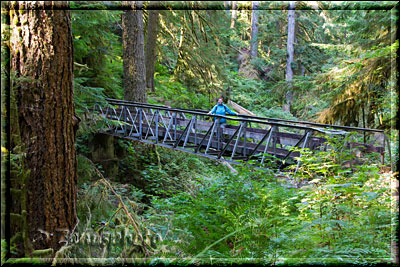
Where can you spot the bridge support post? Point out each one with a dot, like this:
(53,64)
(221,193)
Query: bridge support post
(216,124)
(237,140)
(218,135)
(126,121)
(190,127)
(245,139)
(171,120)
(204,138)
(195,129)
(140,123)
(227,144)
(259,143)
(267,145)
(133,120)
(275,139)
(157,126)
(149,125)
(175,123)
(186,131)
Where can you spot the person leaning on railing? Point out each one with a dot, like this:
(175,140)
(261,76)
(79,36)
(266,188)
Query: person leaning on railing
(221,109)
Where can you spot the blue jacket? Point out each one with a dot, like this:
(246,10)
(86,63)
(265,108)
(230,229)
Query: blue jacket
(221,109)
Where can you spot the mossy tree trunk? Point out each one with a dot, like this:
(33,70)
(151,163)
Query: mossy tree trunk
(290,52)
(151,45)
(254,30)
(41,52)
(133,52)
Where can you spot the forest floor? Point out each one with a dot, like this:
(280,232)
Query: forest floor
(193,210)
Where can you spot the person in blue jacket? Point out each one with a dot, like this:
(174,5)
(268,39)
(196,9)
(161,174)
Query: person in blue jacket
(221,109)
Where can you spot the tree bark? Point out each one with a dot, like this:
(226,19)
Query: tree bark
(133,52)
(151,45)
(290,50)
(234,14)
(290,41)
(254,30)
(41,51)
(5,105)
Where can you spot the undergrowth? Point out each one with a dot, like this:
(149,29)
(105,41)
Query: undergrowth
(198,212)
(171,207)
(250,215)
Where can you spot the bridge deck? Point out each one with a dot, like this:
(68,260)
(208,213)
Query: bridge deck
(243,138)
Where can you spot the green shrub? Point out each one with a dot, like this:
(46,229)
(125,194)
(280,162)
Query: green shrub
(339,217)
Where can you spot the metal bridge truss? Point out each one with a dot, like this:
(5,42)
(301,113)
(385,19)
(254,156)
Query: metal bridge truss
(262,140)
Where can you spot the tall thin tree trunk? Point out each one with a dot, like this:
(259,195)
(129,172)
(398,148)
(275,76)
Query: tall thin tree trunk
(254,30)
(234,14)
(42,63)
(133,52)
(295,53)
(150,49)
(180,53)
(290,50)
(5,105)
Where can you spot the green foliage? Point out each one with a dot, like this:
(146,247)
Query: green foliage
(97,66)
(97,51)
(189,208)
(4,250)
(192,44)
(105,229)
(108,224)
(307,103)
(158,171)
(168,90)
(86,170)
(343,206)
(363,77)
(339,217)
(327,162)
(256,96)
(86,96)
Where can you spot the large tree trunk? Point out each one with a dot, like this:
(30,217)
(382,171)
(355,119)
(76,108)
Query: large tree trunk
(41,51)
(234,14)
(290,50)
(254,30)
(151,45)
(296,55)
(133,52)
(5,89)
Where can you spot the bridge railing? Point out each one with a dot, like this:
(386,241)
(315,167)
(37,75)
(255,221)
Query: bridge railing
(242,138)
(304,123)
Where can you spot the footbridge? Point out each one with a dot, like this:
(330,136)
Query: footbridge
(263,142)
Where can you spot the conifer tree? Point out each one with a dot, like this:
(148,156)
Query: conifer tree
(134,80)
(42,125)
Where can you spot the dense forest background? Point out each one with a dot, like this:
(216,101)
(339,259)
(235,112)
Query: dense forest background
(331,62)
(343,61)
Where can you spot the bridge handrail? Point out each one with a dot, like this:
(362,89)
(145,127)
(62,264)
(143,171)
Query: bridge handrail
(226,117)
(256,119)
(133,102)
